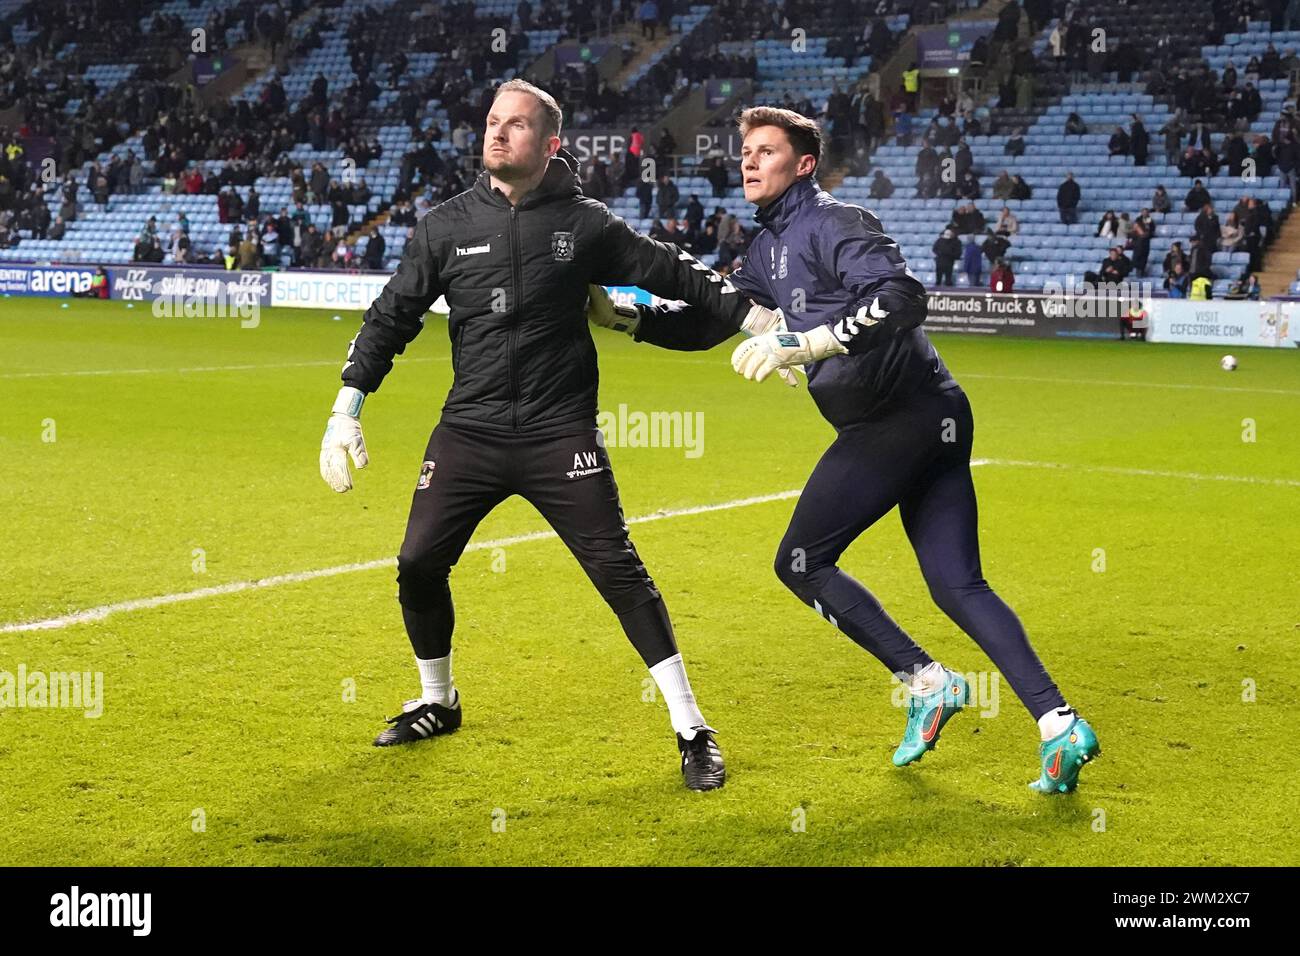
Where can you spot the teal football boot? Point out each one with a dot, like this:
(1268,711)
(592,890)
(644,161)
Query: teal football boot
(1063,757)
(926,716)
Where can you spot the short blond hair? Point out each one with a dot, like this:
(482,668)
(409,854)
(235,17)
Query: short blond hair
(804,133)
(552,115)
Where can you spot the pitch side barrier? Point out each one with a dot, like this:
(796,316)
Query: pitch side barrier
(1270,323)
(1242,322)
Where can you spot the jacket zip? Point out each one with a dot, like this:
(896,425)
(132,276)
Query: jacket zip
(516,273)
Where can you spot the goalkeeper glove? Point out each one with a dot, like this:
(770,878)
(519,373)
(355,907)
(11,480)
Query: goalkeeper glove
(343,438)
(625,318)
(760,356)
(603,312)
(760,321)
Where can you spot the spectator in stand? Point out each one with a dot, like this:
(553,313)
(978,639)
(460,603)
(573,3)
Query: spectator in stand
(1002,186)
(1264,155)
(927,172)
(1007,224)
(1287,157)
(375,248)
(1200,260)
(1020,189)
(1173,131)
(1016,143)
(1075,126)
(967,219)
(1197,197)
(1231,235)
(972,261)
(1067,200)
(250,257)
(1139,141)
(881,186)
(694,212)
(344,255)
(309,256)
(1123,227)
(645,194)
(1207,227)
(1119,142)
(718,177)
(1113,270)
(733,245)
(1177,281)
(668,197)
(994,246)
(1003,280)
(902,127)
(1160,201)
(1139,242)
(1174,256)
(1148,223)
(969,186)
(648,14)
(707,241)
(1234,153)
(1107,225)
(947,250)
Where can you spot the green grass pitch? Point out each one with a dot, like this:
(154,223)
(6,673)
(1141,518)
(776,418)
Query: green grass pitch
(1159,590)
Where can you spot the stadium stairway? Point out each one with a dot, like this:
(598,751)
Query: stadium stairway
(649,52)
(1282,260)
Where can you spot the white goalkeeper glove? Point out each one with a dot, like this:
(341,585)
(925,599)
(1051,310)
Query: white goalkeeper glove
(603,312)
(759,357)
(760,321)
(343,438)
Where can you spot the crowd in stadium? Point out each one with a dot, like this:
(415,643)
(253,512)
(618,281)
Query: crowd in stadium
(222,146)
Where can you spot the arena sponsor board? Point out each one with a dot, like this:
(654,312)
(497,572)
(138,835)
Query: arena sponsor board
(45,280)
(1224,322)
(592,144)
(1025,314)
(332,290)
(948,47)
(149,283)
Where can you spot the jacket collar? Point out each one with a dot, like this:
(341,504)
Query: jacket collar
(560,180)
(778,214)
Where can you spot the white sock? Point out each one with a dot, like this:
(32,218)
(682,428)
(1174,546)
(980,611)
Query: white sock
(435,680)
(670,675)
(1055,722)
(927,680)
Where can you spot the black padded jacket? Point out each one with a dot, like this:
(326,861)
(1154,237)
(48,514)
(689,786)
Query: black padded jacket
(515,278)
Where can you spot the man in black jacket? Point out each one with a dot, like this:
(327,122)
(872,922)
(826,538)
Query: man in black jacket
(514,256)
(1067,200)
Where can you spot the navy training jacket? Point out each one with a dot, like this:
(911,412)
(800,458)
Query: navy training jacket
(825,262)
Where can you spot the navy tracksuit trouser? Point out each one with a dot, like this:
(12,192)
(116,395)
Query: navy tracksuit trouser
(915,456)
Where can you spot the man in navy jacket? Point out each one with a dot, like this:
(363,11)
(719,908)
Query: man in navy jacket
(853,313)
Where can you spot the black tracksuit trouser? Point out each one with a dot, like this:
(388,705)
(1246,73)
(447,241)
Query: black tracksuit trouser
(568,478)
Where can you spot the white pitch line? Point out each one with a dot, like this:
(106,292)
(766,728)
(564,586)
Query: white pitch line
(204,368)
(1130,384)
(140,604)
(1140,472)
